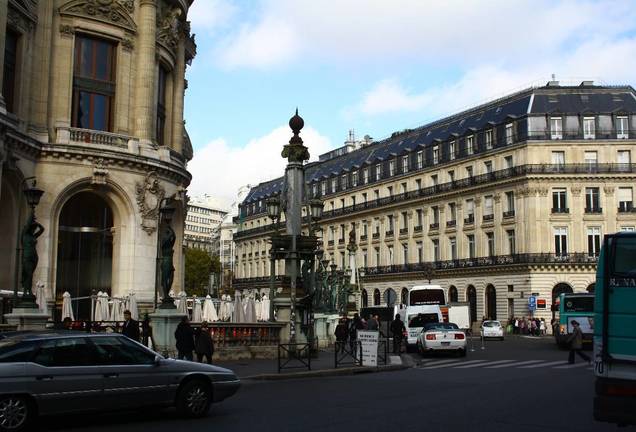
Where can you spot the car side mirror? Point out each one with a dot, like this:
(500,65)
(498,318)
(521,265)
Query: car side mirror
(157,361)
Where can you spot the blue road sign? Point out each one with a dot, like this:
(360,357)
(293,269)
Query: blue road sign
(532,302)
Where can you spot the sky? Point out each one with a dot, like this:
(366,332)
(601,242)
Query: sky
(375,67)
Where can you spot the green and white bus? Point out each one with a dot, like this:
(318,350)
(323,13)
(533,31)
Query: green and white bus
(615,330)
(577,306)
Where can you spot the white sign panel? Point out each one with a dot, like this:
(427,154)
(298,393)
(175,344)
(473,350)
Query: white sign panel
(369,342)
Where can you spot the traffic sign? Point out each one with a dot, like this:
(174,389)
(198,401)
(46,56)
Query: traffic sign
(532,303)
(541,304)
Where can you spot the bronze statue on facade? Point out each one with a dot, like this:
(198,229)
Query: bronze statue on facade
(30,233)
(167,266)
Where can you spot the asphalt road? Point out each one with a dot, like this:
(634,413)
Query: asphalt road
(517,385)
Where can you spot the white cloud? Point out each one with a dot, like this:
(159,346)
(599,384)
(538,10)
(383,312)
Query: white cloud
(434,33)
(211,15)
(389,96)
(219,169)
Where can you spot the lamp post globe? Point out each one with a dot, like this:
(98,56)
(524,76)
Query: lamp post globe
(273,208)
(316,207)
(33,195)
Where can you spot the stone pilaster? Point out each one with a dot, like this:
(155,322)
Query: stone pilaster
(178,89)
(145,72)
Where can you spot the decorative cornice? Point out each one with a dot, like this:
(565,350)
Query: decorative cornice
(128,44)
(67,30)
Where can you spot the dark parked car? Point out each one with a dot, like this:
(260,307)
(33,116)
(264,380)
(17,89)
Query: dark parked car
(57,372)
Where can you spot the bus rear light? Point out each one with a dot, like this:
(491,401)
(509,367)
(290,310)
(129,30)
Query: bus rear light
(430,336)
(459,336)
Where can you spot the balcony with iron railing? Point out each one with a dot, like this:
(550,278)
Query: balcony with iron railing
(434,226)
(626,207)
(470,219)
(508,214)
(560,210)
(465,183)
(404,231)
(593,210)
(488,217)
(451,223)
(417,228)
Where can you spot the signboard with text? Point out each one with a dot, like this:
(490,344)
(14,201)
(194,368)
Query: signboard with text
(532,303)
(369,343)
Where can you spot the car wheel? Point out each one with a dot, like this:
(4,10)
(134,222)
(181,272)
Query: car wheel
(194,399)
(16,413)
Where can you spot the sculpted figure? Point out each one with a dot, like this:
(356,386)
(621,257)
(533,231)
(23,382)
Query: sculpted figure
(30,233)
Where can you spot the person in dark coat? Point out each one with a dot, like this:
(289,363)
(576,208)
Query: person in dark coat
(203,344)
(397,328)
(130,327)
(341,334)
(372,323)
(356,324)
(185,339)
(576,343)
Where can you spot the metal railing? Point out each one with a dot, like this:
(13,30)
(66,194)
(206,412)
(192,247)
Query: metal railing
(347,353)
(456,185)
(294,356)
(90,136)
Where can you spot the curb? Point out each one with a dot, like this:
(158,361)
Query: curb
(325,373)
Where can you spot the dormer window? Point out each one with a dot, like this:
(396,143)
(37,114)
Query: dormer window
(488,139)
(451,149)
(556,128)
(589,127)
(470,144)
(93,83)
(420,160)
(405,164)
(392,168)
(436,154)
(622,127)
(509,133)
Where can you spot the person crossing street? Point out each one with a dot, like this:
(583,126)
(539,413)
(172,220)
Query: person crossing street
(397,328)
(576,343)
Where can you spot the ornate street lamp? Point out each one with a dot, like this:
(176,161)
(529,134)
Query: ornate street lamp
(316,207)
(29,238)
(273,208)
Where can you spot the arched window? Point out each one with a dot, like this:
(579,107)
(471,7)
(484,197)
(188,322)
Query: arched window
(491,302)
(471,298)
(559,289)
(376,297)
(452,294)
(390,297)
(365,298)
(404,296)
(591,287)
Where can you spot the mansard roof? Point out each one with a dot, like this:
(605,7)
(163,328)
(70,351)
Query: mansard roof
(533,101)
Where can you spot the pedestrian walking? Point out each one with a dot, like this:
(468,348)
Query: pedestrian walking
(203,344)
(533,327)
(130,328)
(576,343)
(185,339)
(341,334)
(356,324)
(397,329)
(516,325)
(372,323)
(542,327)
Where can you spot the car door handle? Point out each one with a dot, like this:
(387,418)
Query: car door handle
(111,375)
(44,377)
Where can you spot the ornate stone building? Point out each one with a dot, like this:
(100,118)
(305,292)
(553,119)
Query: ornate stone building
(203,221)
(92,109)
(504,200)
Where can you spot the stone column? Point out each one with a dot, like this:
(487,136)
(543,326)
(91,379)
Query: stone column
(145,72)
(3,35)
(177,99)
(41,70)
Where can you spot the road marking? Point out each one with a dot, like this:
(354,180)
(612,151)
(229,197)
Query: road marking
(438,362)
(456,363)
(478,365)
(514,364)
(560,362)
(571,366)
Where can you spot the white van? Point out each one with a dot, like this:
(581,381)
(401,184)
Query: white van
(424,305)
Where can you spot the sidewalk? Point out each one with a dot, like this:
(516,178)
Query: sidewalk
(322,365)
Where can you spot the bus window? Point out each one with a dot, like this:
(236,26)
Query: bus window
(427,297)
(624,263)
(578,304)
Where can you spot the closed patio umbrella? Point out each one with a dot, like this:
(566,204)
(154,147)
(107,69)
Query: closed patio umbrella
(104,306)
(209,311)
(197,311)
(116,312)
(250,311)
(97,307)
(40,295)
(239,312)
(265,308)
(67,310)
(132,306)
(182,306)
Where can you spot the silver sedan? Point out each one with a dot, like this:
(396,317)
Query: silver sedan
(44,373)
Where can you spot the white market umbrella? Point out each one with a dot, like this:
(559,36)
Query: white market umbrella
(40,295)
(197,312)
(97,307)
(116,313)
(132,306)
(226,313)
(250,311)
(265,308)
(67,310)
(259,311)
(209,311)
(239,312)
(182,306)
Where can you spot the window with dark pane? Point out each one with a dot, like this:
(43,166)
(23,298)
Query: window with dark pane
(10,67)
(161,105)
(93,83)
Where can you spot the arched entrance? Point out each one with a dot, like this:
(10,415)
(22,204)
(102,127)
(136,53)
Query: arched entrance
(558,289)
(376,297)
(491,302)
(453,296)
(84,250)
(365,298)
(390,297)
(591,287)
(404,296)
(471,298)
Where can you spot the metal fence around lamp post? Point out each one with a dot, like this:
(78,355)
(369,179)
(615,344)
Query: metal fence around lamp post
(273,211)
(29,257)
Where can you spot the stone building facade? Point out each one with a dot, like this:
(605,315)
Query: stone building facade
(92,109)
(496,203)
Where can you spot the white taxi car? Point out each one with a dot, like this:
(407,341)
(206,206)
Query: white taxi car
(441,336)
(492,329)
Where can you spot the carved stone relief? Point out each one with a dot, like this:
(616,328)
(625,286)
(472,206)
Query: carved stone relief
(100,172)
(118,12)
(149,193)
(576,190)
(168,27)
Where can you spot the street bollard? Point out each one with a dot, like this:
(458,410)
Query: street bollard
(483,347)
(472,342)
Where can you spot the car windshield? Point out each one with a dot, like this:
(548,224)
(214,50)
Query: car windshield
(420,320)
(440,326)
(492,324)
